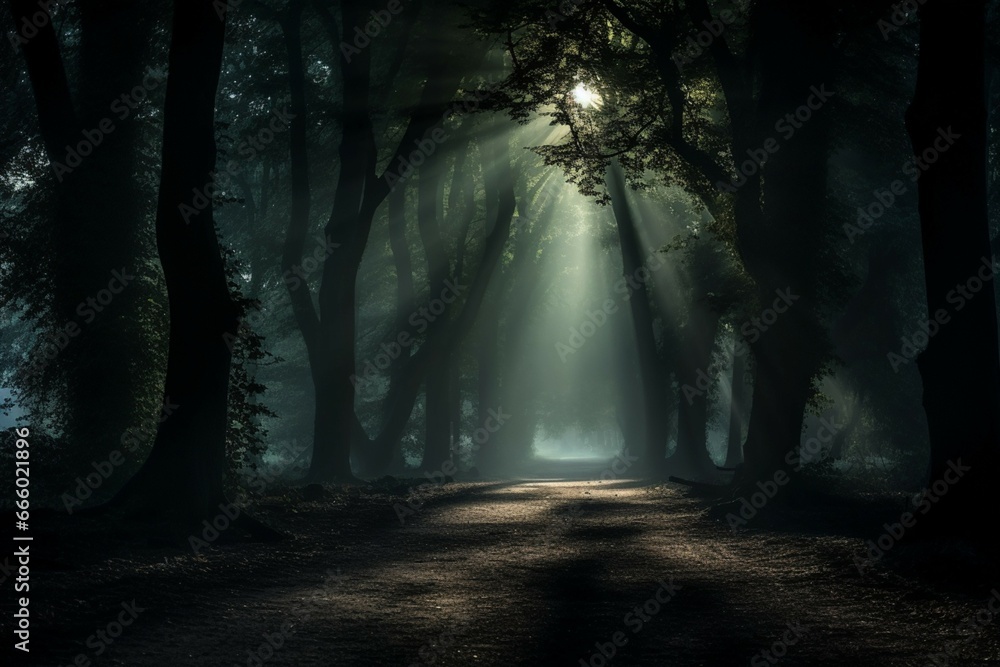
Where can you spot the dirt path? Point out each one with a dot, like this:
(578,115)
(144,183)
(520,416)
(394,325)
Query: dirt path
(535,572)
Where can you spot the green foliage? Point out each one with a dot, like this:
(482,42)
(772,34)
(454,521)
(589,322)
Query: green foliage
(246,433)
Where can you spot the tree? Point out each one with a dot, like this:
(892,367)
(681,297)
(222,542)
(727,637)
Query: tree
(960,367)
(651,372)
(96,240)
(182,480)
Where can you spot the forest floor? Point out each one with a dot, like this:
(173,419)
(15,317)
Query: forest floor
(537,571)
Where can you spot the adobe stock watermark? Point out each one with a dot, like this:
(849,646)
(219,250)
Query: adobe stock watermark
(247,149)
(927,328)
(417,497)
(293,278)
(901,13)
(222,7)
(106,636)
(970,629)
(30,25)
(635,621)
(565,9)
(751,331)
(914,167)
(596,319)
(432,651)
(427,145)
(299,273)
(213,529)
(628,284)
(495,419)
(56,342)
(122,107)
(273,642)
(363,36)
(135,436)
(787,127)
(814,451)
(131,439)
(779,649)
(580,334)
(420,320)
(894,532)
(696,45)
(619,466)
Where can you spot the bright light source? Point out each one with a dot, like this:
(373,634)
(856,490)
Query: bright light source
(585,97)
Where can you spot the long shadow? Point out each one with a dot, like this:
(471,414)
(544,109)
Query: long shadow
(165,590)
(569,605)
(596,617)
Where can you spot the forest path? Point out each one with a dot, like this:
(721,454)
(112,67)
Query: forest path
(530,572)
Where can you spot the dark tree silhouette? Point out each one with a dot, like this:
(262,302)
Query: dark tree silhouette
(960,367)
(182,481)
(91,141)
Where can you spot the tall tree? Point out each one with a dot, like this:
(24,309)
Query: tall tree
(437,393)
(737,400)
(330,332)
(794,54)
(182,480)
(651,373)
(960,367)
(91,136)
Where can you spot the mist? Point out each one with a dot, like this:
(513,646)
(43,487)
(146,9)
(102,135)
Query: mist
(499,333)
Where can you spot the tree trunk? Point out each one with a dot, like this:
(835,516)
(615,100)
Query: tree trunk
(462,186)
(737,400)
(98,218)
(406,295)
(360,191)
(691,458)
(437,392)
(183,477)
(348,227)
(378,452)
(795,47)
(960,368)
(654,391)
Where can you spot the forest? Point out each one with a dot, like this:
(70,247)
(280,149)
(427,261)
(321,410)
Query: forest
(499,332)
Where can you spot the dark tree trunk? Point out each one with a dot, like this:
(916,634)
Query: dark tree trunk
(98,214)
(360,191)
(325,347)
(437,392)
(183,477)
(348,227)
(440,340)
(691,457)
(650,364)
(960,367)
(737,401)
(629,401)
(462,187)
(794,54)
(488,367)
(406,296)
(488,346)
(780,397)
(107,395)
